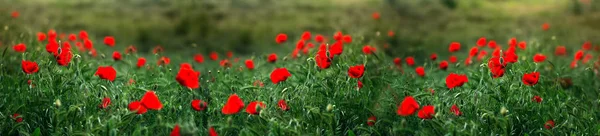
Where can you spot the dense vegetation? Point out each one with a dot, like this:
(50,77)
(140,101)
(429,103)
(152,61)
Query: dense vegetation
(383,68)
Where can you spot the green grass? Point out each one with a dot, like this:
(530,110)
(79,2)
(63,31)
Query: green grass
(322,102)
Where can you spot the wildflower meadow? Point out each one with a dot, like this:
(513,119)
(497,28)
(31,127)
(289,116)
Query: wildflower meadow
(314,67)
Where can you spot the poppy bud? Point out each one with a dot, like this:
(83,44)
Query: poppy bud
(330,107)
(57,103)
(503,111)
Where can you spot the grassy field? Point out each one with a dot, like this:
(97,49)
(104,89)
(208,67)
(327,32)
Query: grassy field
(58,96)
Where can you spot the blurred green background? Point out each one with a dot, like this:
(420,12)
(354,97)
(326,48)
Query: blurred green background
(249,26)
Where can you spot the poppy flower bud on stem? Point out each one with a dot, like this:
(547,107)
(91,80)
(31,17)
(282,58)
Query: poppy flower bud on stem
(330,107)
(57,103)
(503,111)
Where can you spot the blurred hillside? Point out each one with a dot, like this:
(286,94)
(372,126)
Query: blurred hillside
(248,26)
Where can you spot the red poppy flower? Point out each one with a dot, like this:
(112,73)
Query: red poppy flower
(347,39)
(560,51)
(338,36)
(255,107)
(367,49)
(538,58)
(305,49)
(456,80)
(496,66)
(30,82)
(137,107)
(116,55)
(51,34)
(279,74)
(272,58)
(549,124)
(52,47)
(359,84)
(531,79)
(512,42)
(397,61)
(356,71)
(433,56)
(41,36)
(107,73)
(109,40)
(105,103)
(454,109)
(443,65)
(473,51)
(375,15)
(510,55)
(64,58)
(579,55)
(83,34)
(371,120)
(163,61)
(229,54)
(66,46)
(185,66)
(586,45)
(453,59)
(537,99)
(198,105)
(322,58)
(587,58)
(88,44)
(141,62)
(295,53)
(130,49)
(17,118)
(319,38)
(175,131)
(282,105)
(426,112)
(492,44)
(481,42)
(420,71)
(29,67)
(408,106)
(336,48)
(212,132)
(410,61)
(391,33)
(199,58)
(72,37)
(545,26)
(305,35)
(234,105)
(481,55)
(468,61)
(280,38)
(213,56)
(157,49)
(574,64)
(454,47)
(188,77)
(80,46)
(14,14)
(522,45)
(93,52)
(20,48)
(249,64)
(150,101)
(225,63)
